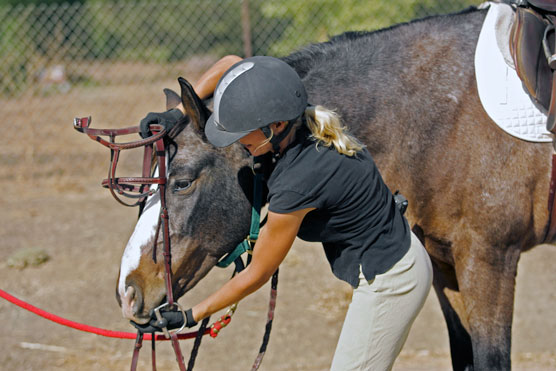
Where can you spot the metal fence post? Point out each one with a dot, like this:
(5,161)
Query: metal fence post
(246,27)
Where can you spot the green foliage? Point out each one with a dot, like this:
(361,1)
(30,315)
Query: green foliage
(154,32)
(14,53)
(38,2)
(337,16)
(35,34)
(427,7)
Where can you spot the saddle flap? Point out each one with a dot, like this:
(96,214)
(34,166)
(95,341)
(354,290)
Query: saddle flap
(528,55)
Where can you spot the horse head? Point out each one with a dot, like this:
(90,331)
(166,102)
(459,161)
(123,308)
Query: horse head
(208,200)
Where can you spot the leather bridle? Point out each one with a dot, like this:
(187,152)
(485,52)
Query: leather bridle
(139,189)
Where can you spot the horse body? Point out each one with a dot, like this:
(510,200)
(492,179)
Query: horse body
(478,197)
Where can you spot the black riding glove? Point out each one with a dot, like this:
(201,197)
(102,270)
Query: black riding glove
(167,119)
(170,321)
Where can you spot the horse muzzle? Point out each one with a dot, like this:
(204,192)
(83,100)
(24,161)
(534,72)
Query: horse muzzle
(132,305)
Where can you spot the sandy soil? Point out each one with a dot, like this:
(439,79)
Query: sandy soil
(52,200)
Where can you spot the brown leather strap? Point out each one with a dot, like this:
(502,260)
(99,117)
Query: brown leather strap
(155,148)
(136,349)
(83,125)
(153,353)
(551,229)
(528,55)
(550,52)
(551,119)
(177,351)
(140,186)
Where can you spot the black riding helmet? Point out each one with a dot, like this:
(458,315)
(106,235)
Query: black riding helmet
(251,95)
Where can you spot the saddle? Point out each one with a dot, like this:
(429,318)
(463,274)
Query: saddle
(533,49)
(546,5)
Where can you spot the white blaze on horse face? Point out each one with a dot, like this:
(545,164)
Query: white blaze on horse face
(144,232)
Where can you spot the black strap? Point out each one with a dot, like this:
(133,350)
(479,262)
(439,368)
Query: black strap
(276,139)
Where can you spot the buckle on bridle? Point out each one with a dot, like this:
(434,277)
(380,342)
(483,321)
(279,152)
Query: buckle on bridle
(251,242)
(163,322)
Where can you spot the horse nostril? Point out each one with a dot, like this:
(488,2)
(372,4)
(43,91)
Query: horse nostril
(132,302)
(138,301)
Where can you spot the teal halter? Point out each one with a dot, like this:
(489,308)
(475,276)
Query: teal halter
(249,242)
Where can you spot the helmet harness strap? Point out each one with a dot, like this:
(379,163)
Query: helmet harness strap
(276,139)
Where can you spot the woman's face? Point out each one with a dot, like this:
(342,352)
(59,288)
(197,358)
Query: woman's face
(256,143)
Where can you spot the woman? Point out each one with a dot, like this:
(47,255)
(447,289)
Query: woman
(324,187)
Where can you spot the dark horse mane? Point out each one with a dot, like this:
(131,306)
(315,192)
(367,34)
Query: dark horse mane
(396,62)
(305,59)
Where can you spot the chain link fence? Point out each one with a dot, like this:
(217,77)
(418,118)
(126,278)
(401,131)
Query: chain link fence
(111,59)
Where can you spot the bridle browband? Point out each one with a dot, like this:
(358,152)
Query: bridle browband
(138,189)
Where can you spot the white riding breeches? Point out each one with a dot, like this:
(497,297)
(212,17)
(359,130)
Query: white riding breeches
(382,311)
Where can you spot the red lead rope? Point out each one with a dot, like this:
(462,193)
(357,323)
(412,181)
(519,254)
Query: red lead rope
(86,328)
(137,188)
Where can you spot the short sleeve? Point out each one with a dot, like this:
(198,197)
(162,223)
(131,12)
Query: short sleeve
(287,201)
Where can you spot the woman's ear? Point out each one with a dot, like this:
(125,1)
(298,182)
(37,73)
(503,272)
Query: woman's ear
(278,127)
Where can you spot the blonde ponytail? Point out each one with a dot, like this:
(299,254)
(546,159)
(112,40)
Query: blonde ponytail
(326,128)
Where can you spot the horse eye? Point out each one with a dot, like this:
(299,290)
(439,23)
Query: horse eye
(182,185)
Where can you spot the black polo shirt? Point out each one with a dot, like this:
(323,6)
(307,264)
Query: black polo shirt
(356,218)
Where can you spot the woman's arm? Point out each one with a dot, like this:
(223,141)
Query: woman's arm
(207,82)
(275,240)
(206,85)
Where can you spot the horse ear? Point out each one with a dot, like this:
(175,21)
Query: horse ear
(194,106)
(172,99)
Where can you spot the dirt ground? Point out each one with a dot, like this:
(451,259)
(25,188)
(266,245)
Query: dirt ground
(52,201)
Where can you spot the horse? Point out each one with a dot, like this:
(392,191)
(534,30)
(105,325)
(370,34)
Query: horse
(477,196)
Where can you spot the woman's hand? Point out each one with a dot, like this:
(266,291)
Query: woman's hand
(167,119)
(275,240)
(169,320)
(204,89)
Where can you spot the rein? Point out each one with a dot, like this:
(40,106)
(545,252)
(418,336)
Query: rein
(138,189)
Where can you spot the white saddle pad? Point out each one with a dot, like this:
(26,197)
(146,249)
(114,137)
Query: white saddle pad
(500,89)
